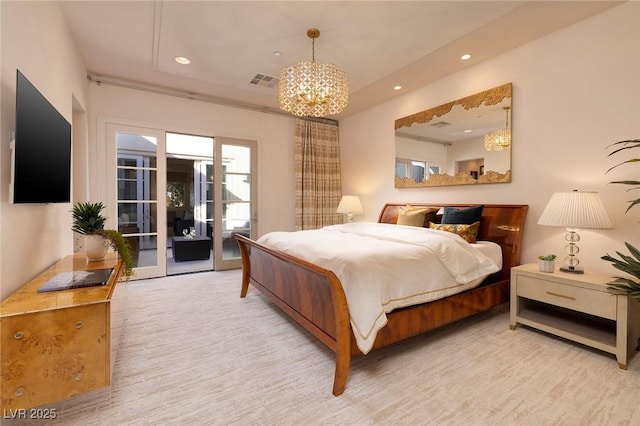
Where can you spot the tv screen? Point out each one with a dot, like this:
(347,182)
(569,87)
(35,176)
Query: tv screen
(42,149)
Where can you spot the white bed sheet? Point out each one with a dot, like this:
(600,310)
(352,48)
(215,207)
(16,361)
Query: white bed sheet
(384,267)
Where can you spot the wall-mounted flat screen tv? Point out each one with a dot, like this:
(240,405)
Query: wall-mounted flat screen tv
(41,159)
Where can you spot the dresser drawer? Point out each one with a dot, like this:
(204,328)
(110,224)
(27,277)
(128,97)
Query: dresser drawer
(594,302)
(54,354)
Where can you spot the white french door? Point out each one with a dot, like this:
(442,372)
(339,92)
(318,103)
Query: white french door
(203,186)
(137,192)
(136,205)
(234,198)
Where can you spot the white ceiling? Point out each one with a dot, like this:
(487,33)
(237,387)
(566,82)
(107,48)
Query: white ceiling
(379,44)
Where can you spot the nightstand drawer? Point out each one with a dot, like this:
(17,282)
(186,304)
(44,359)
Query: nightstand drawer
(599,303)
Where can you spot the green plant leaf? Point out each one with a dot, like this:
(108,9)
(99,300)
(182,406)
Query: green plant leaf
(121,246)
(632,203)
(633,160)
(635,143)
(627,264)
(627,182)
(87,217)
(623,146)
(634,251)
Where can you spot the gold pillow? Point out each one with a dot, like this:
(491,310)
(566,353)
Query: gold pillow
(468,232)
(411,216)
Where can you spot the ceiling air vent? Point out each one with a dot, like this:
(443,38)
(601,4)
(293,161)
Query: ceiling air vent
(441,124)
(264,80)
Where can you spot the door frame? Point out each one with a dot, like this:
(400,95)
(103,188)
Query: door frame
(219,263)
(108,168)
(111,128)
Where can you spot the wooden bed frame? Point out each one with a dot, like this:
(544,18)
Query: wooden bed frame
(314,297)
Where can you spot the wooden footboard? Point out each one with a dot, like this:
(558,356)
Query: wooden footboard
(314,297)
(311,295)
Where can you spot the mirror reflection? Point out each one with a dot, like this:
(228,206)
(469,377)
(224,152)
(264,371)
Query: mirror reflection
(464,142)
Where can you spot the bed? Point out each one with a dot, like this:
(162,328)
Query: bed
(315,297)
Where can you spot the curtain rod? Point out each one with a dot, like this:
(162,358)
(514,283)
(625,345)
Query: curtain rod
(321,120)
(184,94)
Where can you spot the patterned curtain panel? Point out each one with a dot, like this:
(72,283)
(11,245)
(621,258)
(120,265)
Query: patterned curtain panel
(318,186)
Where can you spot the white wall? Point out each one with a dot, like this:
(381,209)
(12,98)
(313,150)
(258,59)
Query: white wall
(574,92)
(36,40)
(274,134)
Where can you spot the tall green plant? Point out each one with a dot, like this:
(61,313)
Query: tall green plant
(628,144)
(87,218)
(627,263)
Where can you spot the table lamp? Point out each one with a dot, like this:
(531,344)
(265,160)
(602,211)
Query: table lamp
(574,210)
(349,204)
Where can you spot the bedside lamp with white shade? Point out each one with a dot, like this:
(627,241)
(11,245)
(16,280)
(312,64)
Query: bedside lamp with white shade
(574,210)
(350,204)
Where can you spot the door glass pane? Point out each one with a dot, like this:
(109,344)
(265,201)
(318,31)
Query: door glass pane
(137,195)
(236,187)
(235,220)
(139,215)
(147,253)
(402,169)
(236,159)
(236,197)
(210,211)
(190,169)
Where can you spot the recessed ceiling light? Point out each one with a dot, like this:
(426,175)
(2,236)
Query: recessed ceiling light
(182,60)
(277,53)
(465,56)
(398,87)
(468,131)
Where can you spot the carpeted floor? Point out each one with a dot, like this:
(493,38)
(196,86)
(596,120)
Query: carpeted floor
(193,353)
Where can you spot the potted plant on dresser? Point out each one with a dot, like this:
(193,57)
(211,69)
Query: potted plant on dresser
(89,221)
(547,263)
(629,264)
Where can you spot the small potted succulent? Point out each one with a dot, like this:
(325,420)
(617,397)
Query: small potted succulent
(547,262)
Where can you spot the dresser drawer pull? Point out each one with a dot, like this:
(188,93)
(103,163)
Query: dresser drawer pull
(561,295)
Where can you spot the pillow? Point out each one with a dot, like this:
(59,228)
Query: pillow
(464,216)
(468,232)
(411,216)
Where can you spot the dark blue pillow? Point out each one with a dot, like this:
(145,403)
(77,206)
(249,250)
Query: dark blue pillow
(463,216)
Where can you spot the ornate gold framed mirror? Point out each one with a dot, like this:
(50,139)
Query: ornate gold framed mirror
(464,142)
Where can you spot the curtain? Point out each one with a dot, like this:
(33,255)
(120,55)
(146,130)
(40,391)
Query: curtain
(318,185)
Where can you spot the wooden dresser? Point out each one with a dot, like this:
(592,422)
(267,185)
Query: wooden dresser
(57,344)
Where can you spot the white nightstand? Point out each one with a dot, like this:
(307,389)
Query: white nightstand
(578,307)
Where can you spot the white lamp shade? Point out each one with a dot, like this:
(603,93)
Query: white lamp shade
(575,209)
(350,204)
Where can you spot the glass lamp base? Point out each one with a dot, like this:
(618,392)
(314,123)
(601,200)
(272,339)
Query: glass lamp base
(572,269)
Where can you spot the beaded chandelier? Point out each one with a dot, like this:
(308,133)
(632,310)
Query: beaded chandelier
(312,89)
(500,139)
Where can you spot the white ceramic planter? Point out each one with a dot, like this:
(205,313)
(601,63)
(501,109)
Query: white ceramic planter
(95,247)
(546,265)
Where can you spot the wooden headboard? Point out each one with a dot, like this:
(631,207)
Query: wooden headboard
(501,223)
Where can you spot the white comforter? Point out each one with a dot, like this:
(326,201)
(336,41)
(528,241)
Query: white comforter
(383,267)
